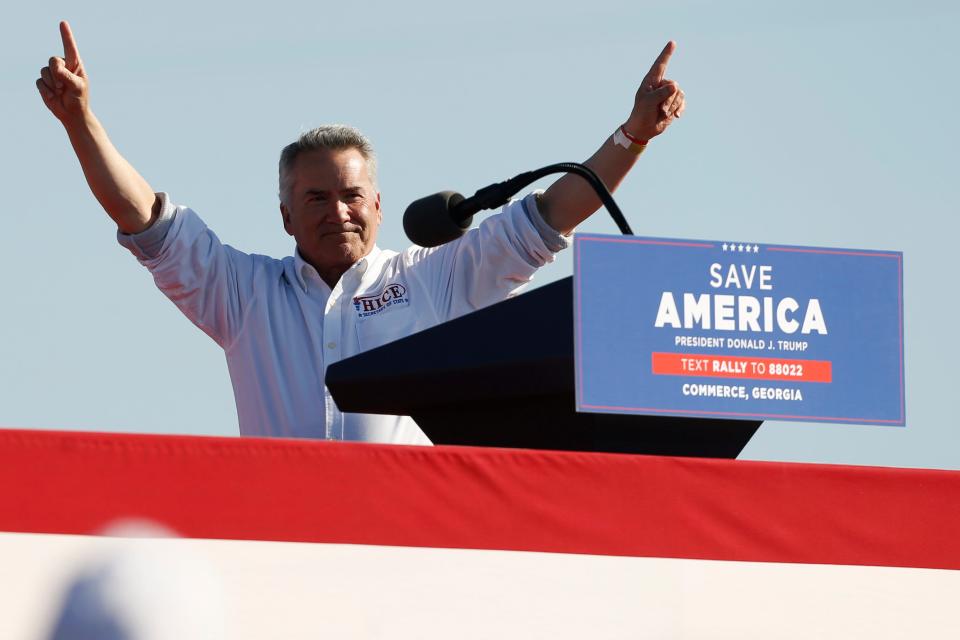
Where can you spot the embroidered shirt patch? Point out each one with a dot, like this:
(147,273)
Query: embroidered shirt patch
(392,295)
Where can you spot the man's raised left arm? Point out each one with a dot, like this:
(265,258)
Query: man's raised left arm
(658,102)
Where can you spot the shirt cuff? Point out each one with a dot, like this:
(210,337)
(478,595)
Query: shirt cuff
(553,239)
(148,243)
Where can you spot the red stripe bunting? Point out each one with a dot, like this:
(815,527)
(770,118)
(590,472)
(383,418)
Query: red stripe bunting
(260,489)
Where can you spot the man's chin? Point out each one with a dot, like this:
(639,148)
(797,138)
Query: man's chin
(341,249)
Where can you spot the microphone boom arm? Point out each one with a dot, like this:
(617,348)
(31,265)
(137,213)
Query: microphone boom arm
(445,216)
(499,194)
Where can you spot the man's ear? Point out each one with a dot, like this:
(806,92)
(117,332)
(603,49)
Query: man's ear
(379,210)
(285,213)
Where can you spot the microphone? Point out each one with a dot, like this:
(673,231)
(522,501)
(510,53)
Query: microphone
(445,216)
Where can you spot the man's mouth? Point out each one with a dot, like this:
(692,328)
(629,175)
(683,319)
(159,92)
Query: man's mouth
(339,232)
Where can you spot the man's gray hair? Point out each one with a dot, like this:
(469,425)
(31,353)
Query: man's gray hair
(328,136)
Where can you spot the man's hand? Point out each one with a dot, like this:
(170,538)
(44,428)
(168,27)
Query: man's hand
(63,83)
(658,102)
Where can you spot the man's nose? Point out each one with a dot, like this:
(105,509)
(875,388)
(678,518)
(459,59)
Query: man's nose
(339,212)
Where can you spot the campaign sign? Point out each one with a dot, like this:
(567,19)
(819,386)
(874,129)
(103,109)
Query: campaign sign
(738,330)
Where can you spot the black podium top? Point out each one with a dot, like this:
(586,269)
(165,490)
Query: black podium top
(504,376)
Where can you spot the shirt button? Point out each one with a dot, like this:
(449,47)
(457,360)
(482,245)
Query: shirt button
(331,345)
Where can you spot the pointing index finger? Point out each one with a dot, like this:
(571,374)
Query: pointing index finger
(70,52)
(659,68)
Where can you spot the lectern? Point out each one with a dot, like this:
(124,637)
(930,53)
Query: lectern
(503,376)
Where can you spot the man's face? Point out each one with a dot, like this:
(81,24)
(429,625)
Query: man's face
(333,209)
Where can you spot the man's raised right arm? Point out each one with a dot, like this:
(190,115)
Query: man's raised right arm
(123,193)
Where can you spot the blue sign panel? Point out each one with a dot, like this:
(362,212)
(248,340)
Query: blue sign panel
(738,330)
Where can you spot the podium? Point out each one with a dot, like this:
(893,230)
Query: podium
(503,376)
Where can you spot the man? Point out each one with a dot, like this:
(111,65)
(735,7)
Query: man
(282,322)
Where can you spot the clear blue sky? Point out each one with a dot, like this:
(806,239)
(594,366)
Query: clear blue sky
(815,123)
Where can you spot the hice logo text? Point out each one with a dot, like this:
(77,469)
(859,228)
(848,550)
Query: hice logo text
(393,294)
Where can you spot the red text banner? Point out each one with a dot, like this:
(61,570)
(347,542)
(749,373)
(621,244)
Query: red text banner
(747,368)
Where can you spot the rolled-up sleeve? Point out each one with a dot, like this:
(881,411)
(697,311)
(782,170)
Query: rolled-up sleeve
(206,279)
(490,263)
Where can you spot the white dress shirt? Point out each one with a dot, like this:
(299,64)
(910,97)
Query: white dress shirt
(281,325)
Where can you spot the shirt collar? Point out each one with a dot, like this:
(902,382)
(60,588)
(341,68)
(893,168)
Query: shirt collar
(304,270)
